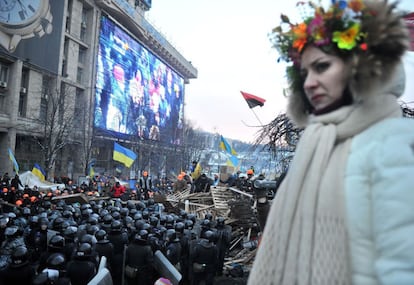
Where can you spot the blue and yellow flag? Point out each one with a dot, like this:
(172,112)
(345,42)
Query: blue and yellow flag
(39,172)
(91,170)
(123,155)
(225,146)
(233,161)
(13,159)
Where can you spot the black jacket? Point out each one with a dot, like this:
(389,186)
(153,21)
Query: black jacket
(80,271)
(205,252)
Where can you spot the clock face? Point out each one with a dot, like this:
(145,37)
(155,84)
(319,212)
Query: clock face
(19,12)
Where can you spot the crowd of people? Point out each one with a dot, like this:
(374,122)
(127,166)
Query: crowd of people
(47,240)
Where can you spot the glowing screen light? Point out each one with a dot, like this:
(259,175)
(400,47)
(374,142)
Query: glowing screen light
(136,93)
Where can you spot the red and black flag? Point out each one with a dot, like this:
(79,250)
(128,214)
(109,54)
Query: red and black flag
(252,100)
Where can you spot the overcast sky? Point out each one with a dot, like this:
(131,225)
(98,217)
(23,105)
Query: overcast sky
(226,40)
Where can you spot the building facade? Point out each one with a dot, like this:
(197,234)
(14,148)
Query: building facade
(50,88)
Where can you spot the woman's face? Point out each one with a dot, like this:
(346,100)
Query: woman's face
(325,77)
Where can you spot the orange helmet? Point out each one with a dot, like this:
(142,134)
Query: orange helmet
(250,172)
(180,177)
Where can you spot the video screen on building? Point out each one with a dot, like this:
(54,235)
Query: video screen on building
(136,93)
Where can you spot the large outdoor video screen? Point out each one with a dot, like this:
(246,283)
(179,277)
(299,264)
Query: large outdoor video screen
(136,93)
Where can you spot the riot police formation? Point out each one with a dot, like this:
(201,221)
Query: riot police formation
(51,241)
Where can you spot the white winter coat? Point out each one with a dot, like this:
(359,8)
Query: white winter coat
(379,195)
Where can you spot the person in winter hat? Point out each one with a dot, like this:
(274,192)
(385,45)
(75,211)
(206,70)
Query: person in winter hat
(343,213)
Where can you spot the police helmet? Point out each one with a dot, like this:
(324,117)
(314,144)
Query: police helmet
(209,235)
(107,219)
(116,225)
(100,235)
(84,249)
(92,229)
(143,234)
(56,261)
(20,255)
(189,224)
(171,235)
(70,232)
(57,242)
(116,215)
(179,227)
(153,221)
(220,221)
(87,238)
(124,212)
(11,232)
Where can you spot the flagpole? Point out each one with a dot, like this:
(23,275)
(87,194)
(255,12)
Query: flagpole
(261,124)
(253,101)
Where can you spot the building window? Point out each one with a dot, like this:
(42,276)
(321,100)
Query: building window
(68,16)
(23,93)
(44,99)
(4,75)
(84,24)
(65,57)
(82,55)
(79,75)
(43,109)
(79,108)
(61,103)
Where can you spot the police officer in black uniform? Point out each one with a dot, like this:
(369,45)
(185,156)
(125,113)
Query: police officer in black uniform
(204,259)
(119,239)
(20,270)
(104,247)
(139,255)
(81,269)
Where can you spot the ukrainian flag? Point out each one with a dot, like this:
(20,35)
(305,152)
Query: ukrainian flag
(225,146)
(13,159)
(233,161)
(123,155)
(39,172)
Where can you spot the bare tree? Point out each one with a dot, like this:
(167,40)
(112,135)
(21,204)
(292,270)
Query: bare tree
(195,142)
(83,129)
(56,118)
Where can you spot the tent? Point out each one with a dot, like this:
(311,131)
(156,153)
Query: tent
(28,178)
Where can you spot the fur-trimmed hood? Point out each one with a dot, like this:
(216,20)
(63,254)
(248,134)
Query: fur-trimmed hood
(377,70)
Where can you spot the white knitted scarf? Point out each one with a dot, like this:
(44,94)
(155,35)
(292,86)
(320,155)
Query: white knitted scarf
(305,238)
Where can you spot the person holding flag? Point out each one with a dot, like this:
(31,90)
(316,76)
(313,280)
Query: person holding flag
(195,173)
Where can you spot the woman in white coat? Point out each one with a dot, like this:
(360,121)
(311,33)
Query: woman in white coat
(344,212)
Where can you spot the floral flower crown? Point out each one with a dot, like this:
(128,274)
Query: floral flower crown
(338,28)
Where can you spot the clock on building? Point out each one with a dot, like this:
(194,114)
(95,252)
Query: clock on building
(23,19)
